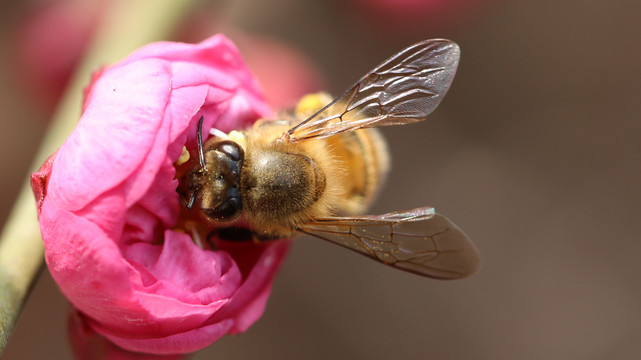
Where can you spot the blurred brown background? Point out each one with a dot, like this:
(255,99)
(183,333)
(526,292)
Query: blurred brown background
(534,153)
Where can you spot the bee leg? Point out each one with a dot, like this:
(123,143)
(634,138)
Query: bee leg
(232,234)
(259,238)
(238,234)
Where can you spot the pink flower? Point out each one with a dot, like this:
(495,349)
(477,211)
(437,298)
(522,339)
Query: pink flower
(87,345)
(108,205)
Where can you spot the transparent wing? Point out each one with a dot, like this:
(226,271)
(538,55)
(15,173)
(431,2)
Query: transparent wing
(418,241)
(402,90)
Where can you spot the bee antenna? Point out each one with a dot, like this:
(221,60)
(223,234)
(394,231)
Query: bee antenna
(201,153)
(191,202)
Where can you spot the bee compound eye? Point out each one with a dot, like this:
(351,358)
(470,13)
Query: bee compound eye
(230,208)
(231,149)
(226,211)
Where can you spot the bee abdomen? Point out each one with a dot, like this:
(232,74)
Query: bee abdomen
(364,154)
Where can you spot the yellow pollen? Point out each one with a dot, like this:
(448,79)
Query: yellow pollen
(311,103)
(184,157)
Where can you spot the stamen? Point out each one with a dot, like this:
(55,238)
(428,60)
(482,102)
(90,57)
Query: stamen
(184,157)
(218,133)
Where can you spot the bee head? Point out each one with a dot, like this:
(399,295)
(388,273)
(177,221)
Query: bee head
(216,184)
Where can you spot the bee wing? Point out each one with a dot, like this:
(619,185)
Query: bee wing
(402,90)
(418,241)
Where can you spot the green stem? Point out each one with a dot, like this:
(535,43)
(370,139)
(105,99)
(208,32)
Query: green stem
(127,26)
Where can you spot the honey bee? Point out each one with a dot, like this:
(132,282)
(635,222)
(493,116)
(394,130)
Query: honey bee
(288,176)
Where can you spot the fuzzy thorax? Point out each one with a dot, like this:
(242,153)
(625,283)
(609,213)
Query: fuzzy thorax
(285,185)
